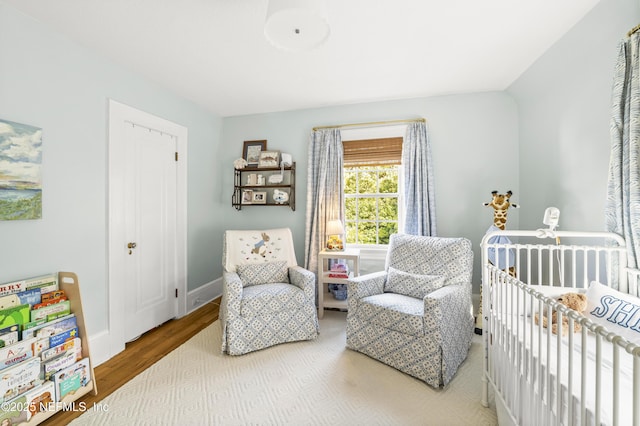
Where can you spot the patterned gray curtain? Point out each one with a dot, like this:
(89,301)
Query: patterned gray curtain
(419,200)
(325,200)
(622,210)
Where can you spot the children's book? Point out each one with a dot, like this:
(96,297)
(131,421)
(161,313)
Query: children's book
(12,316)
(51,312)
(32,324)
(9,335)
(30,297)
(53,295)
(75,344)
(11,288)
(9,301)
(39,398)
(19,378)
(14,413)
(54,365)
(69,380)
(46,328)
(16,353)
(46,283)
(49,302)
(60,338)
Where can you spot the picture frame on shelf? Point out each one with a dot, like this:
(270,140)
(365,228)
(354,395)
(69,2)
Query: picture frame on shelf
(269,159)
(251,151)
(247,196)
(259,197)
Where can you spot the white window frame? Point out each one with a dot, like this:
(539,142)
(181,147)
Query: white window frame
(379,250)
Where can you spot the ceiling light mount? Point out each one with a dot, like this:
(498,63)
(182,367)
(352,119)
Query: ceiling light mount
(296,25)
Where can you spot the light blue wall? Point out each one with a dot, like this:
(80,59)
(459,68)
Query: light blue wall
(475,150)
(564,108)
(546,139)
(50,82)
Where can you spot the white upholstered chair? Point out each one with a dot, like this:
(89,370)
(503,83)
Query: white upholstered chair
(266,298)
(416,315)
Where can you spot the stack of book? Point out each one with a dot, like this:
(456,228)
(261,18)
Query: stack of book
(40,348)
(339,269)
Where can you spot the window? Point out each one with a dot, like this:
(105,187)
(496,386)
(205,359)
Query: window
(371,190)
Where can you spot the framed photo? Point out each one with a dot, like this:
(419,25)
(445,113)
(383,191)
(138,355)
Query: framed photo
(259,197)
(251,151)
(269,159)
(247,196)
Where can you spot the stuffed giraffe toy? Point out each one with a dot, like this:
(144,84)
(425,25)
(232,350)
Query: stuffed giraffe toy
(500,204)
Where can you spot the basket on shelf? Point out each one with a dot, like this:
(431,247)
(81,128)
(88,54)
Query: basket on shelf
(339,291)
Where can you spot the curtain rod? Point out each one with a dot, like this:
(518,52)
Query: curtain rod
(373,123)
(633,30)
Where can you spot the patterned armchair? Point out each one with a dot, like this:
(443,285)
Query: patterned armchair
(417,314)
(266,298)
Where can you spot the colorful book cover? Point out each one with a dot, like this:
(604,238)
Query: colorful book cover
(51,311)
(49,302)
(69,380)
(16,353)
(30,297)
(11,288)
(19,379)
(9,301)
(57,326)
(60,338)
(41,344)
(54,365)
(52,295)
(46,328)
(12,316)
(46,283)
(9,335)
(75,344)
(32,324)
(13,413)
(39,398)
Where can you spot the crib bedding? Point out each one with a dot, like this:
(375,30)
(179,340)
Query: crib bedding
(526,365)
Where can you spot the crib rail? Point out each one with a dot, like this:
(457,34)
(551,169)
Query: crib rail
(592,377)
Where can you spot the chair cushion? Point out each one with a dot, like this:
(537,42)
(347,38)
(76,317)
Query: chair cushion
(270,298)
(263,273)
(449,257)
(414,285)
(393,311)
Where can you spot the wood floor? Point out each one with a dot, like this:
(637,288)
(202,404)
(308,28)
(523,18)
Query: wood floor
(141,354)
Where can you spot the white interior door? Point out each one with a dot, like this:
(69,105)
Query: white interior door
(147,209)
(151,229)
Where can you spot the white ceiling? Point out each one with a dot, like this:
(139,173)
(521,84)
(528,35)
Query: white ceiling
(214,51)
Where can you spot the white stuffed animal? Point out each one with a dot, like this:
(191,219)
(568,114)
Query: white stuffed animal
(240,163)
(280,197)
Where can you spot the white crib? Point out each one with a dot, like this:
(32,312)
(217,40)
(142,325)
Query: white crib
(540,378)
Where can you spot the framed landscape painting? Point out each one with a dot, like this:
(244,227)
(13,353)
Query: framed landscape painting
(20,171)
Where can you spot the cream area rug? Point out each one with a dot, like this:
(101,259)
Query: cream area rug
(316,382)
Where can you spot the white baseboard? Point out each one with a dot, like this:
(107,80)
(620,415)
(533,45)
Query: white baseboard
(100,347)
(203,295)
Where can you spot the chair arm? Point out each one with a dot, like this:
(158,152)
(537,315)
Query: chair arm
(363,286)
(447,309)
(304,279)
(231,295)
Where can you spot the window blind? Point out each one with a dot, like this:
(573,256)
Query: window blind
(372,152)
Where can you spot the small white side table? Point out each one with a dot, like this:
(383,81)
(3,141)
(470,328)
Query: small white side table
(325,298)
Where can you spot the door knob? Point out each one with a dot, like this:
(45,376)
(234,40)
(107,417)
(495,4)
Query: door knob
(131,246)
